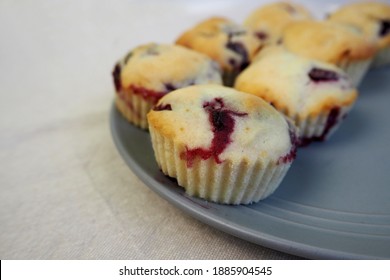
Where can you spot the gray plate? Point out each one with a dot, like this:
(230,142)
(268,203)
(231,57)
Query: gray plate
(334,202)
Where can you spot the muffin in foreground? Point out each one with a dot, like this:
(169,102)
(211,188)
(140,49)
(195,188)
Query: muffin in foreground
(220,144)
(150,71)
(226,42)
(315,95)
(269,21)
(373,20)
(333,43)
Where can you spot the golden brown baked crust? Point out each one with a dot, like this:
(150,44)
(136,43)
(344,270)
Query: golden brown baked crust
(327,41)
(369,17)
(152,66)
(374,9)
(228,43)
(150,71)
(269,21)
(283,79)
(314,95)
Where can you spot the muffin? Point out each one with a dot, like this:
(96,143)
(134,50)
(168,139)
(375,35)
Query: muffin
(314,94)
(373,20)
(269,50)
(269,21)
(333,43)
(220,144)
(226,42)
(150,71)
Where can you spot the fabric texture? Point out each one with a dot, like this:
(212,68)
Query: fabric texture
(65,192)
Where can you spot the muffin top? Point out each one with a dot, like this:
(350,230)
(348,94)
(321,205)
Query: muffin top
(156,69)
(269,21)
(228,43)
(299,86)
(327,41)
(212,121)
(371,18)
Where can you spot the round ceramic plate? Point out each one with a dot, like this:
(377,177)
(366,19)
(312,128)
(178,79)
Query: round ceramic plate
(334,202)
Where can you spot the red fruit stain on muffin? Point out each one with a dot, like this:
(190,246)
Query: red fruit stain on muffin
(116,74)
(292,154)
(238,48)
(147,94)
(222,125)
(321,75)
(261,35)
(384,28)
(331,121)
(163,107)
(170,87)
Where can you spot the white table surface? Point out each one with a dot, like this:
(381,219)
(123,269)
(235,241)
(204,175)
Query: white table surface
(65,193)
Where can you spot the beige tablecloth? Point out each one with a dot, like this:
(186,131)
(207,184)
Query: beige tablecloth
(65,192)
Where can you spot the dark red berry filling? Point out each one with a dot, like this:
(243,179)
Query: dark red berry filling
(116,74)
(163,107)
(321,75)
(384,28)
(331,121)
(261,35)
(222,125)
(294,140)
(239,49)
(147,94)
(170,87)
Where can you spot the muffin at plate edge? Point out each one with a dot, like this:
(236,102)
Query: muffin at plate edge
(150,71)
(220,144)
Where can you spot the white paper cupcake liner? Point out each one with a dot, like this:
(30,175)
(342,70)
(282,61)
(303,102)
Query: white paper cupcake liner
(356,70)
(226,182)
(313,128)
(382,57)
(134,108)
